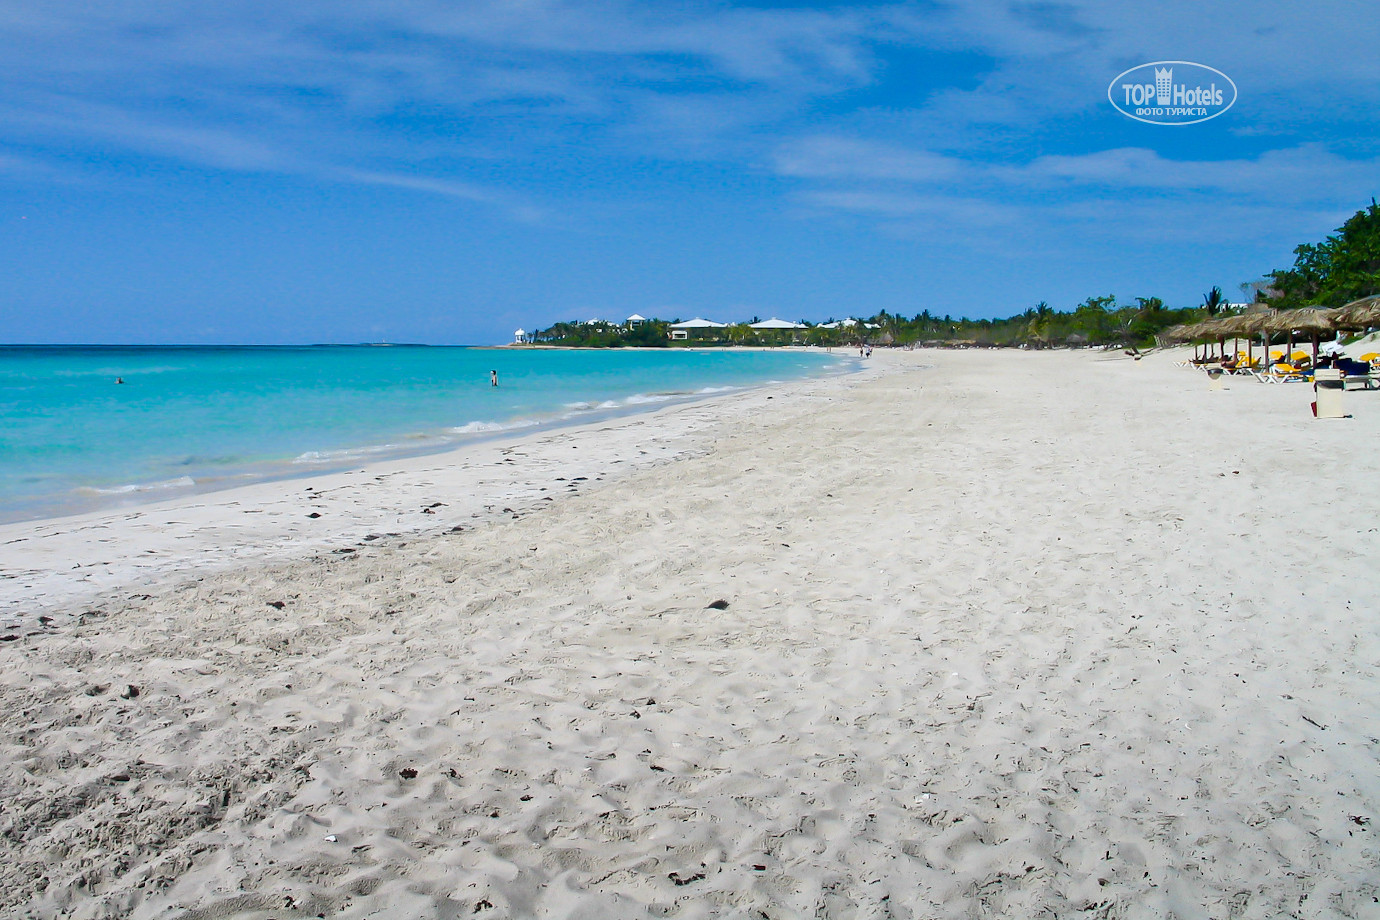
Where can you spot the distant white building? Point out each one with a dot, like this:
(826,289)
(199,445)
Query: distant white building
(520,337)
(635,320)
(775,323)
(698,323)
(681,331)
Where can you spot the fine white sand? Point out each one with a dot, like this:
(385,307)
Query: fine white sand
(1006,635)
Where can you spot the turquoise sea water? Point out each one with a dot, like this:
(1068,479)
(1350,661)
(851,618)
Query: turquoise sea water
(192,419)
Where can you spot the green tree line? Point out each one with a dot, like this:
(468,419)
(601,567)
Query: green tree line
(1342,268)
(1097,321)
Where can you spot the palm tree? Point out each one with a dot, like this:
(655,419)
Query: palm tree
(1213,301)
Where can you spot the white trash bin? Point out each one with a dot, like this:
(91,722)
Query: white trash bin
(1328,387)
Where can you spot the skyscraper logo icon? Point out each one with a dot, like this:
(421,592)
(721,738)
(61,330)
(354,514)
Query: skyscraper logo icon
(1164,85)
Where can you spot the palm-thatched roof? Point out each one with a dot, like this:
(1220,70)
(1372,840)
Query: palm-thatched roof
(1193,332)
(1250,323)
(1218,328)
(1254,321)
(1171,336)
(1309,320)
(1360,314)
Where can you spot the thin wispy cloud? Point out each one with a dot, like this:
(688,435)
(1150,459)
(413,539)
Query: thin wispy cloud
(412,80)
(847,158)
(447,188)
(1303,173)
(148,133)
(936,209)
(883,179)
(630,134)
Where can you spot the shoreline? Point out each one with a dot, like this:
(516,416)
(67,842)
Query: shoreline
(437,440)
(1011,635)
(116,544)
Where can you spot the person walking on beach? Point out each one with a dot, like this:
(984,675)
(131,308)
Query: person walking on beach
(493,378)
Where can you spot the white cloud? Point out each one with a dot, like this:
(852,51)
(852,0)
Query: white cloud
(823,157)
(253,85)
(1124,193)
(1295,64)
(257,85)
(937,210)
(1306,173)
(449,188)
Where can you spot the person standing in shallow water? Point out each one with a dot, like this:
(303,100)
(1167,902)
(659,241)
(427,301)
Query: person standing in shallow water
(493,378)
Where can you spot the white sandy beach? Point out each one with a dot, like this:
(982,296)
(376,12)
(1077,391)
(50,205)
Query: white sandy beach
(1006,634)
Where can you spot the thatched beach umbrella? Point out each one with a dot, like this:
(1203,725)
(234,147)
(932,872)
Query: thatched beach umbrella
(1360,314)
(1230,328)
(1213,330)
(1171,336)
(1198,333)
(1312,321)
(1190,332)
(1251,323)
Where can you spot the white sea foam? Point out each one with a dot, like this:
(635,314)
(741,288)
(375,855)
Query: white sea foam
(244,418)
(335,456)
(181,482)
(482,427)
(116,371)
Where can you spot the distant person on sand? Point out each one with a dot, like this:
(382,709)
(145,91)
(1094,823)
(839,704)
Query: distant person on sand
(493,378)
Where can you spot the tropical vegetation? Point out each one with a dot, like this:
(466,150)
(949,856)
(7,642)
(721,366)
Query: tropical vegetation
(1342,268)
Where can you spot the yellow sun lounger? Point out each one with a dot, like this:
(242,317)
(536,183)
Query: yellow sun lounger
(1279,373)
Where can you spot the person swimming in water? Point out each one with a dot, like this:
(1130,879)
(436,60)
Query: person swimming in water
(493,378)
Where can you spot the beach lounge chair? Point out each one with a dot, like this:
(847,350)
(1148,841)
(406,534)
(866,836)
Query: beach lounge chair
(1280,373)
(1358,374)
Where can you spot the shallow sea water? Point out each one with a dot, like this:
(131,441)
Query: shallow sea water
(198,418)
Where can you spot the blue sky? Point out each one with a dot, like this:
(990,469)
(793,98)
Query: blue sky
(428,171)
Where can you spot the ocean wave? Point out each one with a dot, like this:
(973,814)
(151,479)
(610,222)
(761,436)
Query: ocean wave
(639,399)
(114,371)
(181,482)
(335,456)
(485,427)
